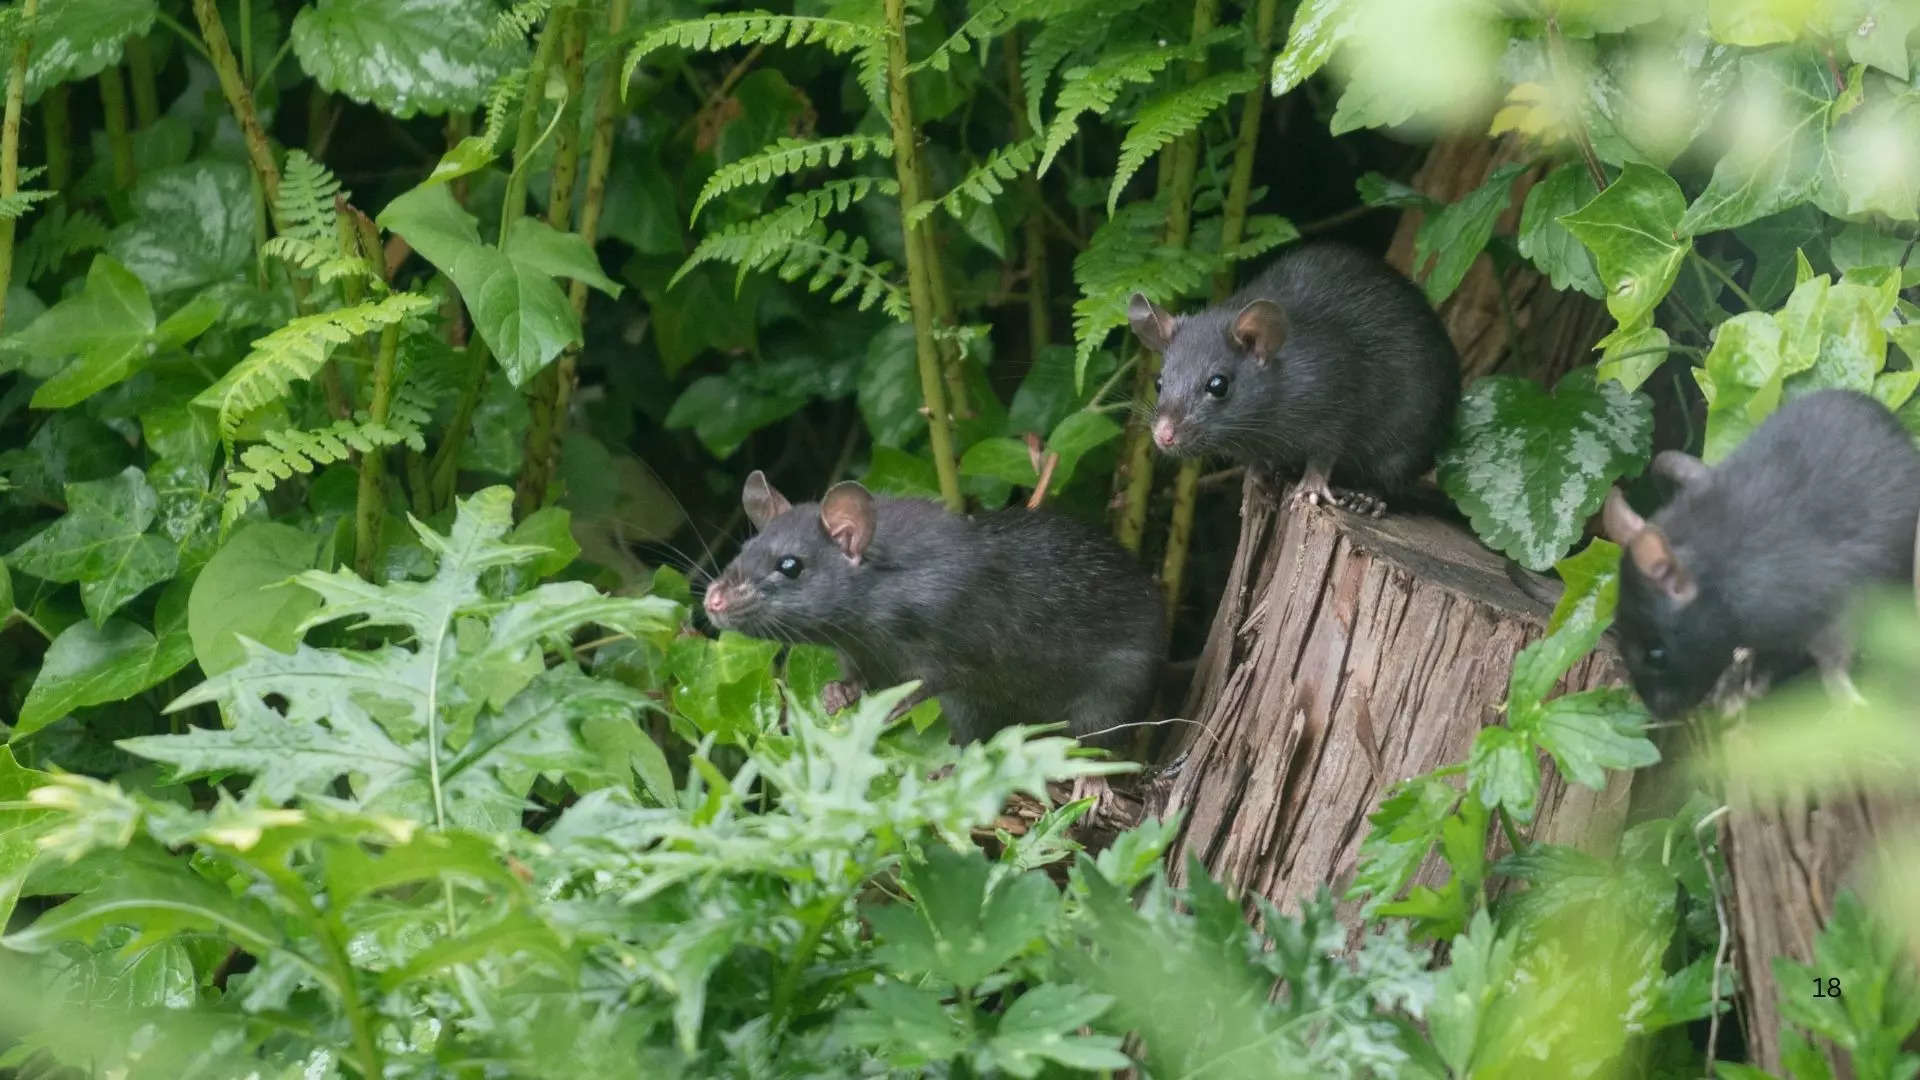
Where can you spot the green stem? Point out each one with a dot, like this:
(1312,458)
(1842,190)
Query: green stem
(113,100)
(234,88)
(1034,227)
(246,41)
(803,951)
(10,146)
(184,34)
(544,397)
(370,507)
(146,91)
(906,162)
(1183,159)
(1514,842)
(953,358)
(59,126)
(319,122)
(1725,278)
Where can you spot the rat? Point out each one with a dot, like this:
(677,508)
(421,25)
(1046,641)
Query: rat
(1329,364)
(1761,556)
(1012,617)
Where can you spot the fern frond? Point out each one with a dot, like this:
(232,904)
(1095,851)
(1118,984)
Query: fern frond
(983,182)
(326,262)
(1071,28)
(15,206)
(295,352)
(757,244)
(1161,121)
(262,466)
(757,28)
(517,21)
(1096,87)
(786,157)
(836,257)
(988,21)
(56,237)
(1126,254)
(306,202)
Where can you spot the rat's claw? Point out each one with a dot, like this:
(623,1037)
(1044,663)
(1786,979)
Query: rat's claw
(1360,502)
(1313,491)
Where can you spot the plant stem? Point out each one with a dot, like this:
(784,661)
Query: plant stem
(146,92)
(59,125)
(1725,278)
(445,469)
(953,357)
(10,145)
(1034,227)
(1181,161)
(234,88)
(369,510)
(113,100)
(906,162)
(543,398)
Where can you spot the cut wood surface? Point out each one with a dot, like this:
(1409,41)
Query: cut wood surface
(1348,654)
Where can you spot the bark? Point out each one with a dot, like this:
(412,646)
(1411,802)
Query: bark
(1557,330)
(1348,654)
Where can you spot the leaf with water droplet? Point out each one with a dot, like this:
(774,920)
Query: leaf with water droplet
(1633,230)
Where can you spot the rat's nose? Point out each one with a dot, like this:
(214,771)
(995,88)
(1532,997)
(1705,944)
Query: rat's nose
(716,601)
(1162,432)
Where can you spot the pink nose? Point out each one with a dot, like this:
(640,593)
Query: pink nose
(1163,433)
(716,600)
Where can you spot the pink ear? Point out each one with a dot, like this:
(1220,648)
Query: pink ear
(847,513)
(1150,322)
(1260,329)
(1618,522)
(760,501)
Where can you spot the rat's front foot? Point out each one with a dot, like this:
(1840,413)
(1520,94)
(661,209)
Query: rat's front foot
(1313,491)
(1359,502)
(838,695)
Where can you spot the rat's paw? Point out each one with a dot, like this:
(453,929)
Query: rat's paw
(1359,502)
(1313,491)
(838,695)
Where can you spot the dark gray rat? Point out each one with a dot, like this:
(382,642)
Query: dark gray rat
(1763,553)
(1329,364)
(1015,617)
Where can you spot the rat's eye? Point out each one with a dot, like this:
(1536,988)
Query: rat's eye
(1656,658)
(789,566)
(1156,384)
(1217,386)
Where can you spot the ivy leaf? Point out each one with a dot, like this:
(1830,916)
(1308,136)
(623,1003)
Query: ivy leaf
(404,56)
(102,543)
(246,592)
(1853,342)
(19,828)
(90,340)
(77,39)
(89,665)
(1633,230)
(1769,169)
(1742,379)
(1453,236)
(1630,359)
(1591,731)
(1529,467)
(1755,23)
(518,309)
(192,226)
(1545,241)
(1876,32)
(1774,240)
(1591,580)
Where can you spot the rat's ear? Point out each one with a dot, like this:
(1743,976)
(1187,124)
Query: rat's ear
(1657,562)
(847,513)
(1260,329)
(1151,323)
(1618,522)
(1683,469)
(761,502)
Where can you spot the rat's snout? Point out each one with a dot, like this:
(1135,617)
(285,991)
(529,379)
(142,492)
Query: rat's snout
(719,599)
(1163,434)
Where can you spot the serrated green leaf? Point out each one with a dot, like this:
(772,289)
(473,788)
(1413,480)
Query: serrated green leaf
(192,226)
(1503,771)
(955,930)
(1778,162)
(1039,1027)
(103,544)
(910,1023)
(77,39)
(1542,239)
(1633,231)
(1404,829)
(404,56)
(90,340)
(1159,122)
(1591,731)
(1591,579)
(158,899)
(1529,467)
(1452,237)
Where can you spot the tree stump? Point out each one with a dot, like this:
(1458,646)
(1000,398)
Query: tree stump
(1348,654)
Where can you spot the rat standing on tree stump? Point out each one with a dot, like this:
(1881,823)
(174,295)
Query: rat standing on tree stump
(1329,364)
(1013,617)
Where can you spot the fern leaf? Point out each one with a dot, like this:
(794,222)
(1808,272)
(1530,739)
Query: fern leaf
(836,257)
(786,157)
(295,352)
(306,203)
(983,182)
(1071,28)
(517,21)
(988,21)
(1096,87)
(1167,118)
(261,467)
(1126,254)
(757,244)
(57,236)
(757,28)
(15,206)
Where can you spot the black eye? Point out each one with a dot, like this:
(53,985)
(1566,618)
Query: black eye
(1217,386)
(789,566)
(1156,384)
(1656,657)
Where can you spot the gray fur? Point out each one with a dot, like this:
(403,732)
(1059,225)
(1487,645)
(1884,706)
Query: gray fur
(1014,617)
(1774,542)
(1364,382)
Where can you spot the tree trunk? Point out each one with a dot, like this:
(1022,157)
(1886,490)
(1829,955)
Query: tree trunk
(1557,330)
(1348,654)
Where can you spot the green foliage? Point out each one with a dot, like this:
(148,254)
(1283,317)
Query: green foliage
(424,56)
(786,157)
(1160,122)
(310,233)
(724,31)
(76,39)
(260,467)
(982,184)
